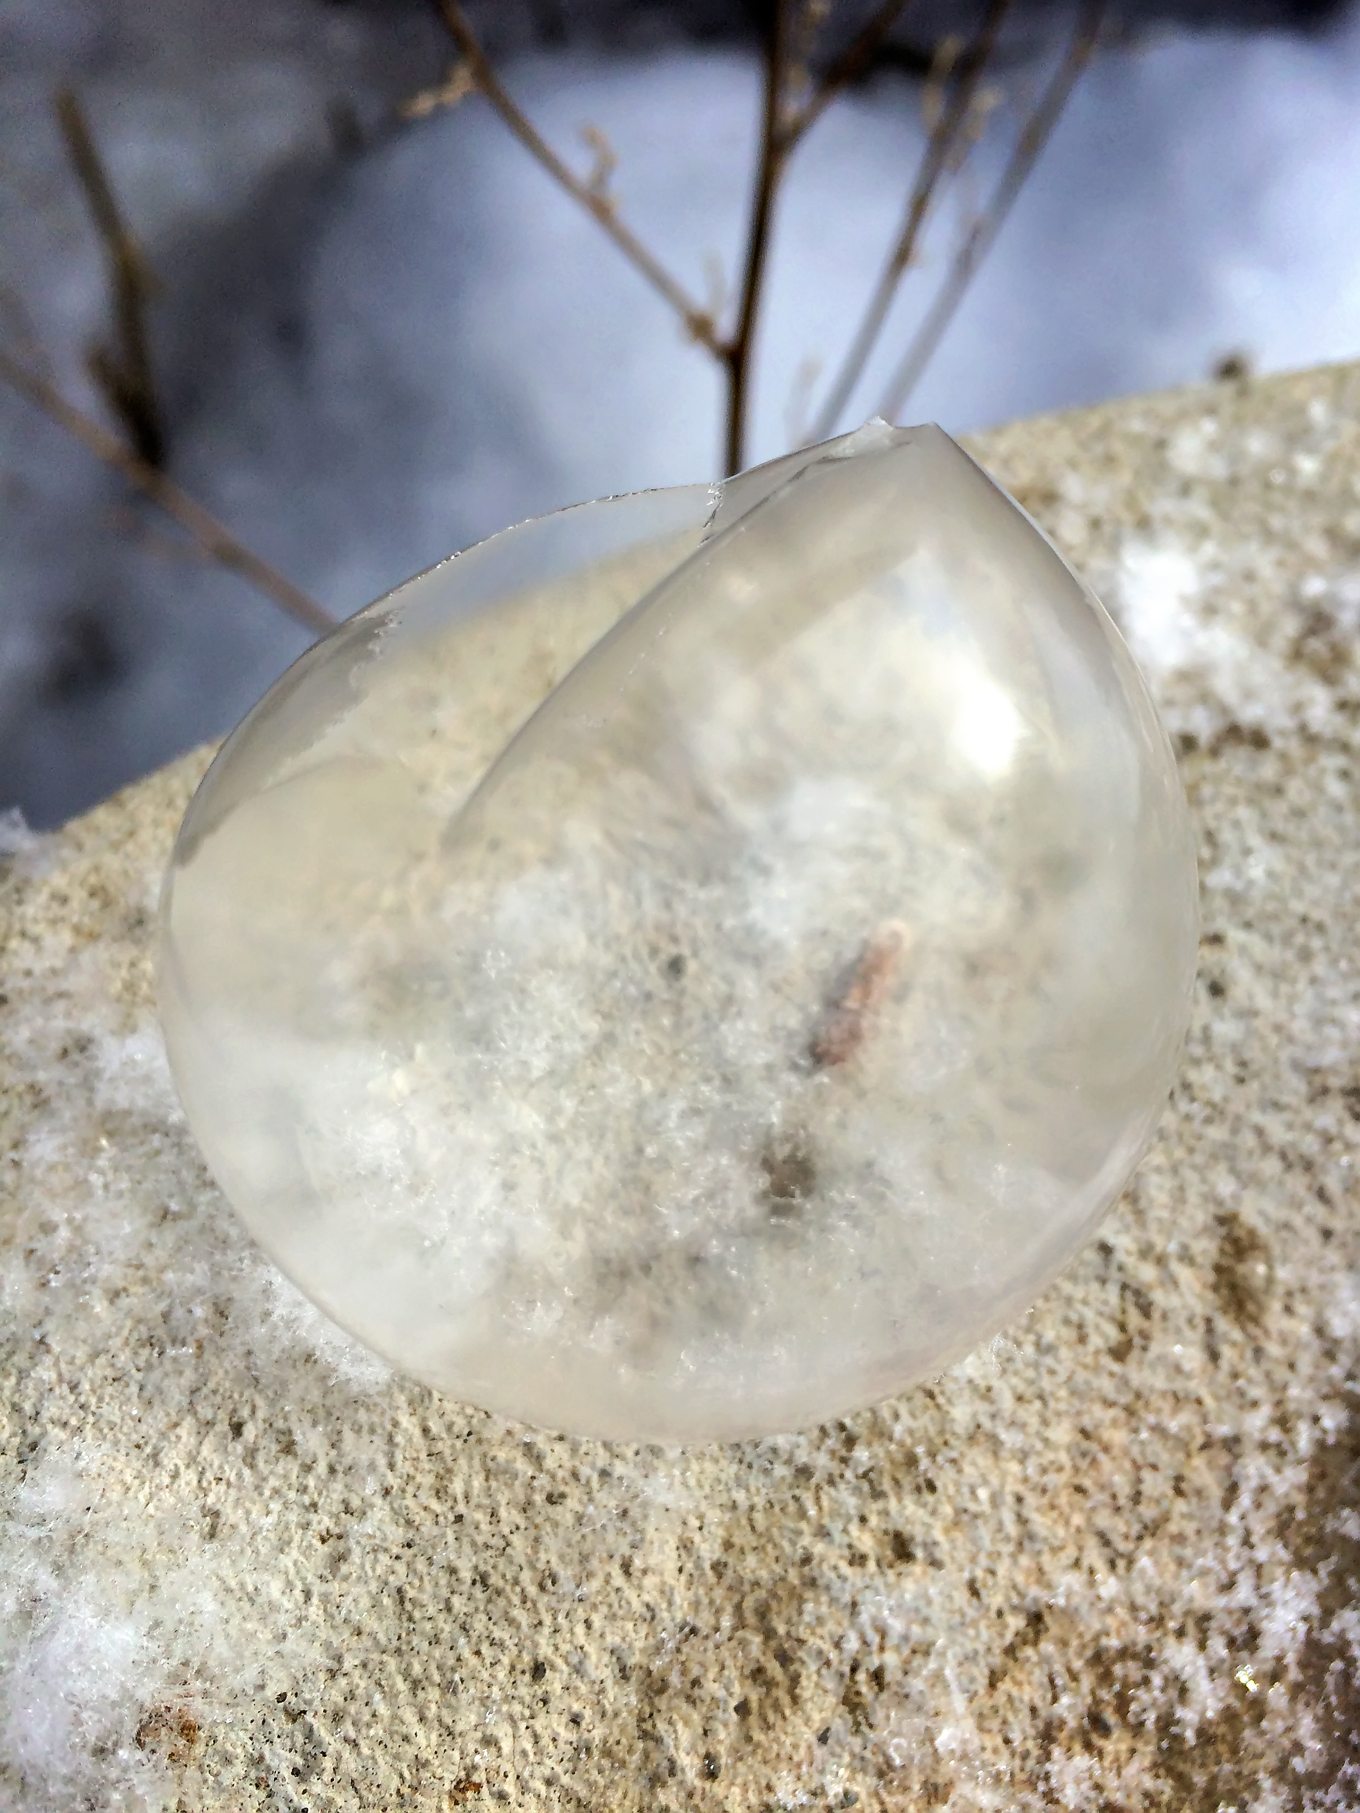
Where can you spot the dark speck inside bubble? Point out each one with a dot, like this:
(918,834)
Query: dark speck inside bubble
(790,1178)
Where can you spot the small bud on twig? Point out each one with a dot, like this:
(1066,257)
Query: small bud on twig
(457,86)
(601,176)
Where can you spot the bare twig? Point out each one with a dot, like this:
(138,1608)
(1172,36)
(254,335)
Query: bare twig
(843,1026)
(21,329)
(799,404)
(737,353)
(125,374)
(809,16)
(940,147)
(977,242)
(854,61)
(699,324)
(211,537)
(783,125)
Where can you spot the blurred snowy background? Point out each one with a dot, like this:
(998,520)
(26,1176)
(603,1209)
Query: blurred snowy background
(376,339)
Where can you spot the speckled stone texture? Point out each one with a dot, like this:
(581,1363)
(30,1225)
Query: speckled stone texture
(1113,1561)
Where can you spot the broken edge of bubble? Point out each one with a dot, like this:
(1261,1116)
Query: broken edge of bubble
(732,504)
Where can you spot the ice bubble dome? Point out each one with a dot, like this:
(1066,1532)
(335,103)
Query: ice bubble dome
(693,964)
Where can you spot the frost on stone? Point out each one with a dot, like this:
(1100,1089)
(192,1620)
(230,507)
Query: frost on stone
(696,963)
(128,1622)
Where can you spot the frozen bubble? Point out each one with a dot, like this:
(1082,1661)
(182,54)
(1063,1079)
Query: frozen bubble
(694,964)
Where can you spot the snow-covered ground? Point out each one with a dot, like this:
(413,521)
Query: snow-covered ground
(370,359)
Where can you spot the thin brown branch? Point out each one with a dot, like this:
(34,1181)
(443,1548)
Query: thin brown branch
(948,130)
(601,207)
(845,1022)
(977,242)
(211,537)
(854,61)
(125,373)
(740,349)
(808,18)
(782,127)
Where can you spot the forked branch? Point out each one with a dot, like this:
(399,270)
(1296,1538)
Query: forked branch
(783,125)
(599,205)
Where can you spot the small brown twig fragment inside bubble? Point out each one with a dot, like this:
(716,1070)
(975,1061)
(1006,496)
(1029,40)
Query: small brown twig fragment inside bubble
(844,1024)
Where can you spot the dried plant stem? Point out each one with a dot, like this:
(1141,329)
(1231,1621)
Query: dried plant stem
(699,323)
(125,374)
(211,537)
(782,128)
(845,1022)
(774,149)
(854,61)
(944,139)
(977,242)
